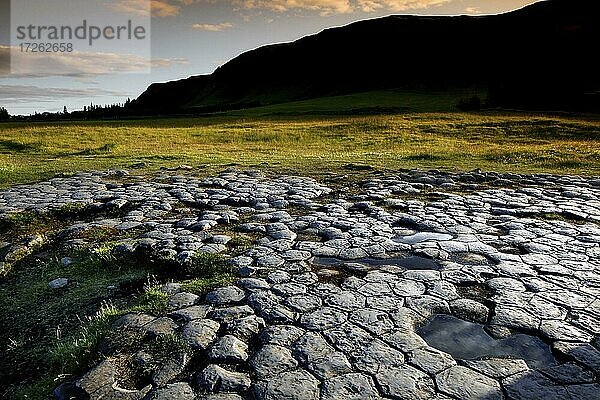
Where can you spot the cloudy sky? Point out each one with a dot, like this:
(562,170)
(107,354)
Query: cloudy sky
(188,37)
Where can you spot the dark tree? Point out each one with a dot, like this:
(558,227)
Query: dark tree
(4,115)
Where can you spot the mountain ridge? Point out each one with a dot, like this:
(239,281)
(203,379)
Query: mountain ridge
(537,57)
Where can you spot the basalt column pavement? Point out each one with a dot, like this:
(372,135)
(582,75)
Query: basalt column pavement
(335,297)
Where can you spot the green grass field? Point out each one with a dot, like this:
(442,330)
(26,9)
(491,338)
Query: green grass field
(378,102)
(306,143)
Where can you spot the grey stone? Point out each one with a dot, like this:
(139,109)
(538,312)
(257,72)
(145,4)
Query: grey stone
(497,331)
(515,318)
(58,283)
(385,303)
(568,374)
(430,360)
(346,300)
(443,289)
(333,365)
(584,353)
(279,276)
(290,385)
(246,328)
(289,289)
(544,273)
(100,383)
(170,369)
(505,284)
(307,278)
(182,300)
(311,347)
(225,295)
(281,335)
(231,313)
(270,261)
(354,386)
(271,360)
(428,305)
(404,341)
(561,330)
(279,314)
(375,321)
(470,310)
(304,303)
(352,254)
(191,313)
(264,299)
(498,368)
(161,326)
(375,289)
(253,284)
(405,287)
(533,385)
(171,288)
(98,378)
(405,382)
(199,334)
(323,318)
(217,379)
(66,261)
(407,319)
(349,338)
(585,391)
(354,283)
(221,239)
(377,355)
(180,390)
(220,396)
(464,383)
(228,349)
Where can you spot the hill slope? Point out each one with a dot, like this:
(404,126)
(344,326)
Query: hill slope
(539,57)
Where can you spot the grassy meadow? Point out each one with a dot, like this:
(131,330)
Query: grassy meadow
(305,143)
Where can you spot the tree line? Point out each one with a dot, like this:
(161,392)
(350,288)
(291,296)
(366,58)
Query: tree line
(92,111)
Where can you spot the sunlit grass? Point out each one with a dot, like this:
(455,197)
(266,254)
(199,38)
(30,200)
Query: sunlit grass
(504,142)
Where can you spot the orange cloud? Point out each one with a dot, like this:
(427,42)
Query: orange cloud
(161,8)
(322,6)
(398,5)
(472,10)
(212,27)
(338,6)
(170,8)
(157,8)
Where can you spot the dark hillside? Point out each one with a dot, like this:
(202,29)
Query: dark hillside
(539,57)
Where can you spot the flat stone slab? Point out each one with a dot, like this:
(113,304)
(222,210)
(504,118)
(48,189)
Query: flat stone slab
(467,384)
(349,386)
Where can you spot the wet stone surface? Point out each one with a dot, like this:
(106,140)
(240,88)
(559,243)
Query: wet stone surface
(468,341)
(508,306)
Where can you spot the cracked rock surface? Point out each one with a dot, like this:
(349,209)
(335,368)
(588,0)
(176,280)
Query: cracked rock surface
(331,296)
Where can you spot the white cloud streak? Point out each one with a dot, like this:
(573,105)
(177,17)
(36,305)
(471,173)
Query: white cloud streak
(29,93)
(77,64)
